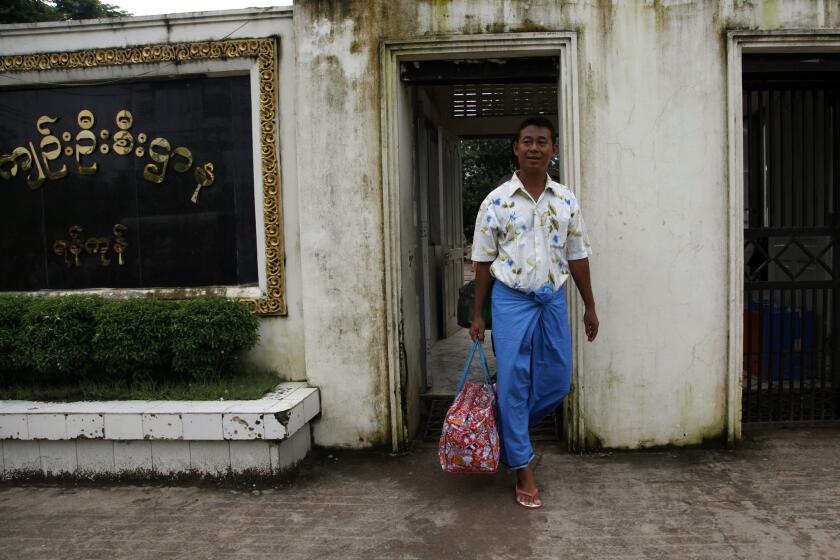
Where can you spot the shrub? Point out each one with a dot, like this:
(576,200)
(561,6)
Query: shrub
(132,340)
(57,332)
(83,337)
(12,310)
(209,334)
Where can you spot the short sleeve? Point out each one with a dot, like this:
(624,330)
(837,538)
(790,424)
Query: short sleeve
(485,247)
(577,239)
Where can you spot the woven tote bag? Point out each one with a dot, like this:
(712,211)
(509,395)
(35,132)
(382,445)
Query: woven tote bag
(469,442)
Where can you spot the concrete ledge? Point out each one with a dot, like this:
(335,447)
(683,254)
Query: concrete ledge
(262,436)
(22,458)
(276,416)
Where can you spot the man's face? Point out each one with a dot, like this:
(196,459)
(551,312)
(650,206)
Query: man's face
(534,148)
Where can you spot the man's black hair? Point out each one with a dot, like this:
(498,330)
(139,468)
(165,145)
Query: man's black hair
(541,122)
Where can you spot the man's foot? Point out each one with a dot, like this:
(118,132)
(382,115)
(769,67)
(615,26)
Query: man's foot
(527,494)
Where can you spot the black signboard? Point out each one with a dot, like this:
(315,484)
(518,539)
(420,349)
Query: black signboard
(138,185)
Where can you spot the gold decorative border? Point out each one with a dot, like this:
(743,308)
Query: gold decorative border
(264,50)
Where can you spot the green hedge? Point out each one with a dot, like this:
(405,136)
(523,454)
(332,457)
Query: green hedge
(56,335)
(133,338)
(70,338)
(208,334)
(12,310)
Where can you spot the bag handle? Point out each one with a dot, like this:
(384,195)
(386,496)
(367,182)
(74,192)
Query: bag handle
(466,374)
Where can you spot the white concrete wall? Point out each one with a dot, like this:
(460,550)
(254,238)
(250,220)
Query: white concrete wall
(281,345)
(341,206)
(654,191)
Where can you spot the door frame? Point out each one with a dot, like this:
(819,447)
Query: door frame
(739,43)
(563,45)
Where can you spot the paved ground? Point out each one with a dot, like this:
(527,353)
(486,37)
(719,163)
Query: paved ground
(449,356)
(777,497)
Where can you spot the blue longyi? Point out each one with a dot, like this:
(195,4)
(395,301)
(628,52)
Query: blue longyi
(533,349)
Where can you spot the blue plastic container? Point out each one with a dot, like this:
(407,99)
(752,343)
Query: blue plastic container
(787,341)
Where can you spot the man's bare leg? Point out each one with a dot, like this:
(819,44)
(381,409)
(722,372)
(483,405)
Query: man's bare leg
(526,482)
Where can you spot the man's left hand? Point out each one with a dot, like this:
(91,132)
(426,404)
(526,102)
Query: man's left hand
(590,323)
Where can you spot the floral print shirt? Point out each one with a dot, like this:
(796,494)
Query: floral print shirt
(530,242)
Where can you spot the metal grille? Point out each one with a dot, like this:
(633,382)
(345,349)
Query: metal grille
(791,360)
(498,100)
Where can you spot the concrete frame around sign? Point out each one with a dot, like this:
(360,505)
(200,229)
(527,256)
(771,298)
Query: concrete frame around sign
(261,54)
(510,45)
(738,44)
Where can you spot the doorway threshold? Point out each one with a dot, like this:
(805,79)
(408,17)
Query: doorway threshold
(435,408)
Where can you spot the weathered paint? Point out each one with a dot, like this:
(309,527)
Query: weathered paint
(653,160)
(340,198)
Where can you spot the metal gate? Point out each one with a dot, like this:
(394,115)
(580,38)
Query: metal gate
(791,336)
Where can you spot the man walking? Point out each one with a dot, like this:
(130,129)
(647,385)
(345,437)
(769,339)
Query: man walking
(530,236)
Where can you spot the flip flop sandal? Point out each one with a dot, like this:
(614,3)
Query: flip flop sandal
(535,495)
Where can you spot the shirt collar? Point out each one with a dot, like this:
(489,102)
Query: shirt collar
(516,184)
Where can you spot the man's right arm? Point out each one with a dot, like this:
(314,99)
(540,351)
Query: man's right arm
(484,252)
(483,280)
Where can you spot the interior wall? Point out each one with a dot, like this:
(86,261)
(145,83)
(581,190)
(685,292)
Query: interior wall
(434,197)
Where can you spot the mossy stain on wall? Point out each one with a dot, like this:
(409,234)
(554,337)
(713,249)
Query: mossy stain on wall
(528,25)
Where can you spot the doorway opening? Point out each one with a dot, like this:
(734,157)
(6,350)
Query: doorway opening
(791,336)
(462,117)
